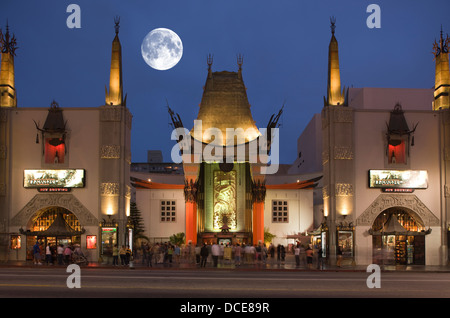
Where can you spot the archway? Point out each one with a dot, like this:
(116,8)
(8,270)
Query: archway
(398,237)
(52,226)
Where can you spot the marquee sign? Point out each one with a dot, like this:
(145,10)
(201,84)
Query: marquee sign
(63,178)
(398,179)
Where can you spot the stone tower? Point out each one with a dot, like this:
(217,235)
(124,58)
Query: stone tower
(115,153)
(442,77)
(337,152)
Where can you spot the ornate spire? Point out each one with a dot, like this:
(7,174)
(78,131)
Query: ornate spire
(333,24)
(8,46)
(240,61)
(115,94)
(442,75)
(334,94)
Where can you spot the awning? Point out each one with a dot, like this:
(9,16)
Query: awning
(393,227)
(59,227)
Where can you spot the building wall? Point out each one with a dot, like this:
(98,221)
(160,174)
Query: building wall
(301,216)
(370,129)
(148,201)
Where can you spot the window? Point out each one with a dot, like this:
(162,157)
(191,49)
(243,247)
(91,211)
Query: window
(55,150)
(280,211)
(397,153)
(168,211)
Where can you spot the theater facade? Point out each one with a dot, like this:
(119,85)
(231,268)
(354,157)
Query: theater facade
(64,172)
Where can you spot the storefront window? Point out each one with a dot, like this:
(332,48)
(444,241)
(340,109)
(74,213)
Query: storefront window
(109,239)
(15,242)
(345,240)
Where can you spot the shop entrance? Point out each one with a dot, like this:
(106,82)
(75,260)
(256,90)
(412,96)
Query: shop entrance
(54,226)
(398,238)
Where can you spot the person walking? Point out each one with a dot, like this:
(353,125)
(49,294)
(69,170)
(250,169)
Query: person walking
(339,256)
(204,255)
(128,254)
(67,255)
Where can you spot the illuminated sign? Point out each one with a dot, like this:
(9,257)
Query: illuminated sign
(405,179)
(64,178)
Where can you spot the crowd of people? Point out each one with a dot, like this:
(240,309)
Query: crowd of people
(216,254)
(54,254)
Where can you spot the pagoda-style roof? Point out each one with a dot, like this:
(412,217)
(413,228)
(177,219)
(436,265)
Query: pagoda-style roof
(393,227)
(225,105)
(59,227)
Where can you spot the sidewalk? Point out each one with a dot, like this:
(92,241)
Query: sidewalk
(271,264)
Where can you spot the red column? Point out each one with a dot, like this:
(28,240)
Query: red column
(191,222)
(258,222)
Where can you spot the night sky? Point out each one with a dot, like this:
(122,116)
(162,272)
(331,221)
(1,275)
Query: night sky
(284,44)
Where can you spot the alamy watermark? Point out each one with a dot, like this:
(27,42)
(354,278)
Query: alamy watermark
(74,279)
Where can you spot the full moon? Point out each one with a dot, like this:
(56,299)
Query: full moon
(162,49)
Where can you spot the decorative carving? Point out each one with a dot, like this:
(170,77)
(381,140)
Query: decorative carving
(67,201)
(224,199)
(190,191)
(343,115)
(343,153)
(109,188)
(344,189)
(258,191)
(325,192)
(111,113)
(386,201)
(110,152)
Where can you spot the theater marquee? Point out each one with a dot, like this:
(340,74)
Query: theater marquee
(398,179)
(64,178)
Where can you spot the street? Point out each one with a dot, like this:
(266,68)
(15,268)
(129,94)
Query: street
(200,283)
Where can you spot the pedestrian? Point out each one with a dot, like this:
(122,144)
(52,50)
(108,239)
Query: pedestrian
(282,253)
(272,250)
(60,254)
(177,253)
(215,251)
(37,254)
(309,256)
(115,254)
(144,248)
(237,255)
(319,259)
(204,255)
(48,255)
(297,254)
(123,255)
(128,255)
(197,254)
(264,253)
(339,256)
(67,254)
(278,252)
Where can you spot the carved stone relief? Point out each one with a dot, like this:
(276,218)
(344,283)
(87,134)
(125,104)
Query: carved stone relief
(41,201)
(109,188)
(110,152)
(386,201)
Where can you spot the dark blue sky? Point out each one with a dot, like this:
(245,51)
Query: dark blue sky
(284,44)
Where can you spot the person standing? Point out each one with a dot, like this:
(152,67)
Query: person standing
(215,251)
(237,255)
(48,254)
(319,259)
(297,254)
(37,254)
(123,255)
(309,256)
(204,255)
(339,256)
(115,255)
(67,254)
(60,254)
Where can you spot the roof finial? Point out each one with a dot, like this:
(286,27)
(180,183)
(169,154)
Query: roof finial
(209,60)
(240,60)
(8,43)
(333,24)
(116,22)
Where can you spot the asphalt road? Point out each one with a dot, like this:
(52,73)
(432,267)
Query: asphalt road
(56,282)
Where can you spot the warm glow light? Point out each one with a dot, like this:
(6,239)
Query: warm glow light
(109,211)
